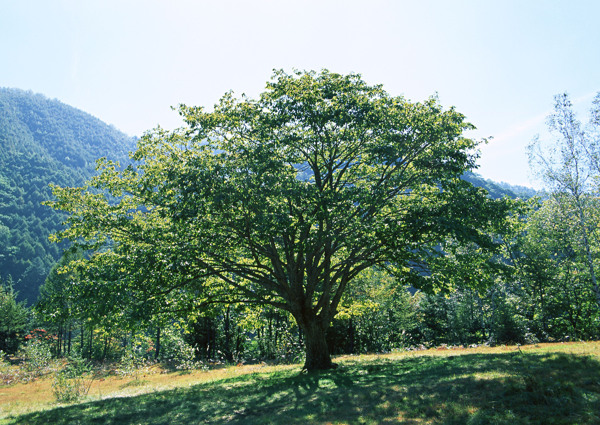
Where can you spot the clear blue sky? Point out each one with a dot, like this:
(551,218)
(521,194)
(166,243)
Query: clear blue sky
(126,62)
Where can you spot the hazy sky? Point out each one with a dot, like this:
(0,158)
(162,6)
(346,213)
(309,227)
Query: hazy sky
(127,62)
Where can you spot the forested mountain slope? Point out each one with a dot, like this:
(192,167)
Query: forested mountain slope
(498,190)
(42,141)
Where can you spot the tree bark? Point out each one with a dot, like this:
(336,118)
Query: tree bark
(157,350)
(350,347)
(227,331)
(315,342)
(59,341)
(70,335)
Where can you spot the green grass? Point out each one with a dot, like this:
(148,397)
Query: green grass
(537,386)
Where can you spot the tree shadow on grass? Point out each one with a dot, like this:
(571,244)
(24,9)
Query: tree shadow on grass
(511,388)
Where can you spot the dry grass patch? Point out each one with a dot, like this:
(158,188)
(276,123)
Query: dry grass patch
(35,395)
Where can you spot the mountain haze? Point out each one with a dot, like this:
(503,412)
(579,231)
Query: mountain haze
(43,141)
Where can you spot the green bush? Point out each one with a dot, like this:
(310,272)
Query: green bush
(72,382)
(131,363)
(38,355)
(176,352)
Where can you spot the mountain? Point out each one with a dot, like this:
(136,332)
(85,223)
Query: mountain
(43,141)
(498,190)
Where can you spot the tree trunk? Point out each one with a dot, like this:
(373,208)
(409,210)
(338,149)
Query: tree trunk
(91,343)
(82,341)
(69,340)
(59,341)
(317,351)
(227,331)
(105,351)
(350,347)
(157,350)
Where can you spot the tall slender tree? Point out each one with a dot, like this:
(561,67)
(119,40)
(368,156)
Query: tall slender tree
(570,167)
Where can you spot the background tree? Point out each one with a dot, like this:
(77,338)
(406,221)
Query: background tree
(571,170)
(377,315)
(58,306)
(283,201)
(14,318)
(552,273)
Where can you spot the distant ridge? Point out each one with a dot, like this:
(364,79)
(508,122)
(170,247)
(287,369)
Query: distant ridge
(499,190)
(43,141)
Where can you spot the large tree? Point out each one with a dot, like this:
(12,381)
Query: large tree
(282,201)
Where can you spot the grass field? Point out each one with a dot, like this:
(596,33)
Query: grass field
(542,384)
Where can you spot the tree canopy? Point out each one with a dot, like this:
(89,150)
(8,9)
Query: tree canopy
(284,201)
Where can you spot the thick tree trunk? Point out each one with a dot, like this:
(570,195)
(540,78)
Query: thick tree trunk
(317,351)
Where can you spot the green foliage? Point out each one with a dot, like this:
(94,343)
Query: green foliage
(378,316)
(239,333)
(557,252)
(38,355)
(277,338)
(466,317)
(281,201)
(173,346)
(57,302)
(555,287)
(507,324)
(14,318)
(319,202)
(459,318)
(132,362)
(42,141)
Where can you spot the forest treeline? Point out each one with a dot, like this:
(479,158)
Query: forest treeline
(541,289)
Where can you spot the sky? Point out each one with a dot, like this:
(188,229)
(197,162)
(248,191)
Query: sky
(127,62)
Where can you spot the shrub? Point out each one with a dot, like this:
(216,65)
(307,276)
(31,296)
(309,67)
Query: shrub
(131,363)
(71,382)
(38,356)
(176,352)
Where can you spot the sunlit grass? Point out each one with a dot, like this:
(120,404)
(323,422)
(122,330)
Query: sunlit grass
(37,395)
(544,384)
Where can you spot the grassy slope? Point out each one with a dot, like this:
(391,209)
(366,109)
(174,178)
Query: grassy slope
(546,384)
